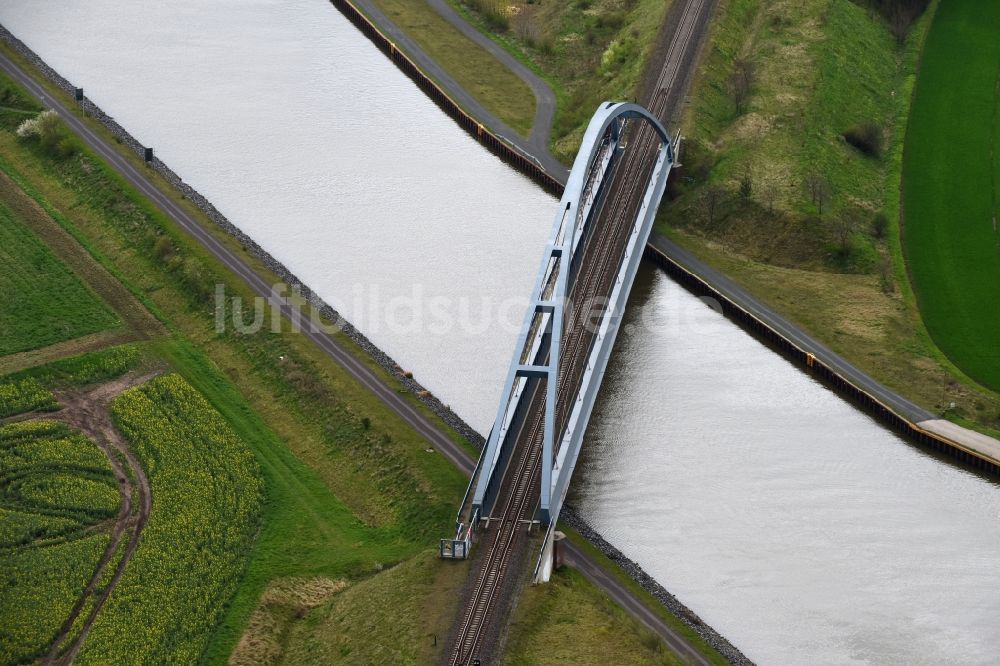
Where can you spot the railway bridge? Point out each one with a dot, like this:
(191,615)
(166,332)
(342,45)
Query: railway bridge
(588,266)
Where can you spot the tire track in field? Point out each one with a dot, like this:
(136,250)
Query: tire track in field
(89,413)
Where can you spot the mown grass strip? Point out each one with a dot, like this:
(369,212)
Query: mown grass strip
(951,239)
(44,302)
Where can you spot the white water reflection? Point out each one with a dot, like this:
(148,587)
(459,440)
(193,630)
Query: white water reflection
(791,522)
(312,142)
(795,525)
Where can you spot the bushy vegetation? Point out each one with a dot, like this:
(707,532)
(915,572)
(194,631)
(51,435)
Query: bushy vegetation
(866,137)
(84,369)
(56,487)
(24,396)
(589,50)
(900,15)
(951,180)
(48,129)
(207,496)
(15,106)
(44,302)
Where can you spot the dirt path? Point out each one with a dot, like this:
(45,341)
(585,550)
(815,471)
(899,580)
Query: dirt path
(89,412)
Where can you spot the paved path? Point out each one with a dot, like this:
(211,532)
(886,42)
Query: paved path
(457,455)
(545,99)
(623,596)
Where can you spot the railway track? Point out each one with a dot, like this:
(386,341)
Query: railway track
(598,270)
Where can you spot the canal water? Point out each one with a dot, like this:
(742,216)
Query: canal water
(795,525)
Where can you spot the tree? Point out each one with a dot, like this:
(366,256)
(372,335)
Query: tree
(767,192)
(50,131)
(880,224)
(746,185)
(820,191)
(844,226)
(740,83)
(866,137)
(711,201)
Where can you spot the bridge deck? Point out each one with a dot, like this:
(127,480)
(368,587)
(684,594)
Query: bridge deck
(599,234)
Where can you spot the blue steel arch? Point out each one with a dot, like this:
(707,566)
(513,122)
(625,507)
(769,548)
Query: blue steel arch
(538,349)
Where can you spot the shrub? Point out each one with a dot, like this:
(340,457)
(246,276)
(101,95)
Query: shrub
(50,131)
(899,14)
(866,137)
(740,83)
(162,247)
(746,186)
(880,224)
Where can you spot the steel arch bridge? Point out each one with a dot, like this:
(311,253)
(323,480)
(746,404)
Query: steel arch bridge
(535,378)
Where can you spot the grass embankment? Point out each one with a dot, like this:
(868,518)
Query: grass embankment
(950,176)
(570,622)
(487,79)
(350,490)
(821,69)
(588,51)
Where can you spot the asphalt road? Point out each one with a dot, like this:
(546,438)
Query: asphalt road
(359,371)
(621,595)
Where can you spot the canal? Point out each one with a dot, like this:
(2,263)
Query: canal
(794,524)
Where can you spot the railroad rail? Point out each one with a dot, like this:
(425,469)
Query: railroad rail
(598,239)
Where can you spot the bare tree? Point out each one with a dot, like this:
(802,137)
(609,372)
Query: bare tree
(767,192)
(525,26)
(746,184)
(711,200)
(741,82)
(820,191)
(886,275)
(844,226)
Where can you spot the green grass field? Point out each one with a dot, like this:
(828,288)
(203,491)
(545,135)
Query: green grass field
(56,493)
(950,178)
(44,302)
